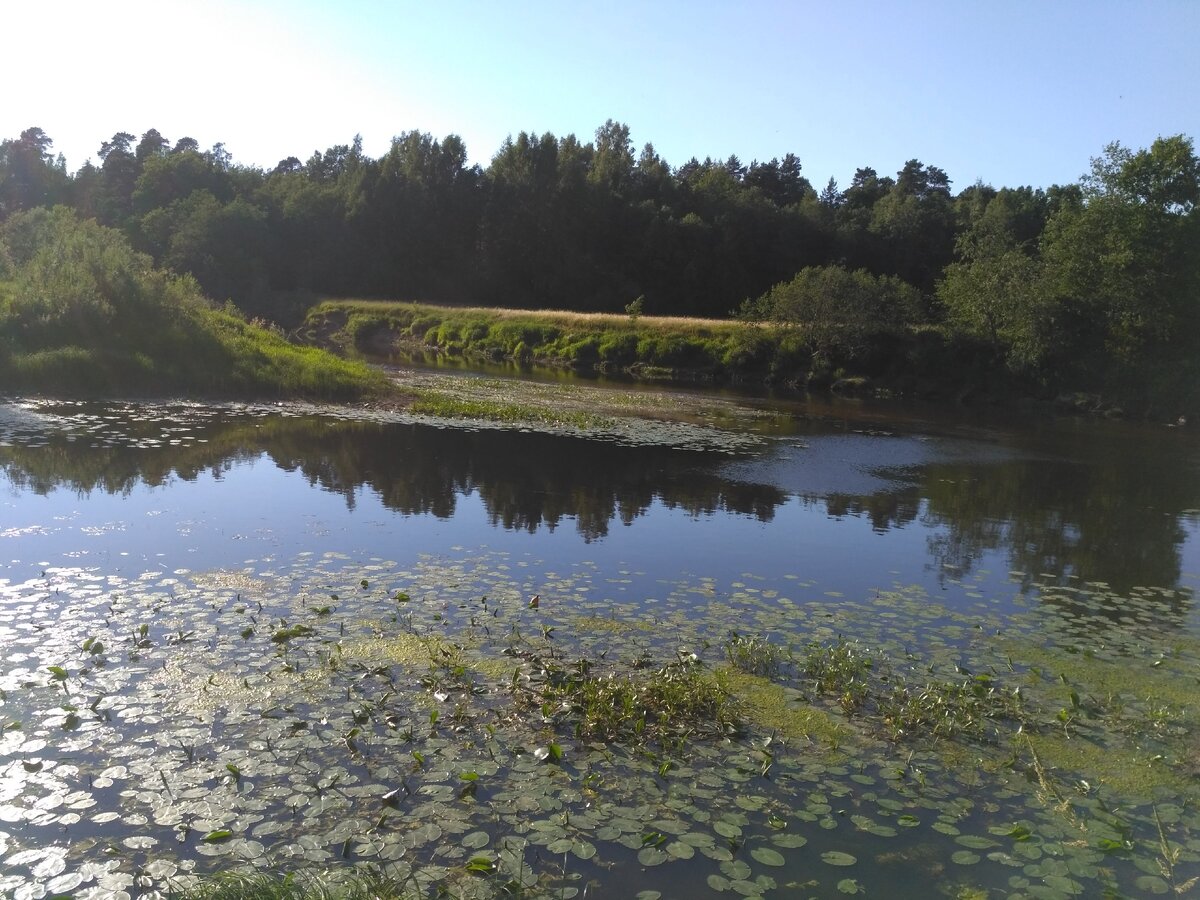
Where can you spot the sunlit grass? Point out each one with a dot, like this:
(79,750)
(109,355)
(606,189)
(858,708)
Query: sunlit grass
(652,346)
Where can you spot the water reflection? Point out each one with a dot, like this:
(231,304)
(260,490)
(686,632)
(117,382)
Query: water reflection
(1117,515)
(1065,504)
(527,481)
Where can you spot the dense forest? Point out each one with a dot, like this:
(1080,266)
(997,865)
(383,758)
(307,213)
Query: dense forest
(1093,286)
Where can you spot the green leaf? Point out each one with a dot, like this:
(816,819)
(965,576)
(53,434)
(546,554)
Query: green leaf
(767,856)
(583,849)
(652,856)
(975,842)
(718,883)
(476,840)
(481,864)
(215,837)
(727,829)
(838,858)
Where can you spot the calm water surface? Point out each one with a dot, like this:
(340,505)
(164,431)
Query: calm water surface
(848,496)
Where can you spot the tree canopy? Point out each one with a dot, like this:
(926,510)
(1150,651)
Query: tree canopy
(1090,285)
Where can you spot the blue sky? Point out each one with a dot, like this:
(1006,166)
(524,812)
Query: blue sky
(1008,91)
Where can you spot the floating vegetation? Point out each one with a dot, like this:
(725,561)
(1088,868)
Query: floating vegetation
(430,728)
(670,705)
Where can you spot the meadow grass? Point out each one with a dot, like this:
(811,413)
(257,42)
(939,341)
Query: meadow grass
(650,346)
(206,352)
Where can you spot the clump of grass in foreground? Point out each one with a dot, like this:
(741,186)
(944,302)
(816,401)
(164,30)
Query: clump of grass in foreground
(670,704)
(293,886)
(754,655)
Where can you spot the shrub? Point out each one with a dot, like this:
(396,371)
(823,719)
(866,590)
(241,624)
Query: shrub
(839,312)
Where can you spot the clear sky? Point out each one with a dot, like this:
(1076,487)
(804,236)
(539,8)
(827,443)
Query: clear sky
(1008,91)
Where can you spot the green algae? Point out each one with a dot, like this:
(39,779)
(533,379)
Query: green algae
(1131,773)
(773,708)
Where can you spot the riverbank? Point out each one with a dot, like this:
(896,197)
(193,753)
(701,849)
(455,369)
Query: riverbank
(921,363)
(926,363)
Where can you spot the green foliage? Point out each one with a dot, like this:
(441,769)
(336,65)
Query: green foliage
(344,884)
(1074,288)
(754,655)
(840,313)
(1104,297)
(665,704)
(997,296)
(586,341)
(84,313)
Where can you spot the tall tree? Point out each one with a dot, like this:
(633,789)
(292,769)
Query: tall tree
(29,175)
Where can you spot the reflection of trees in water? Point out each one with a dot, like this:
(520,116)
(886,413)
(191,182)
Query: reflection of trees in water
(526,480)
(1117,522)
(1116,518)
(884,509)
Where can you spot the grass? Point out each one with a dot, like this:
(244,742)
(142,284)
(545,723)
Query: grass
(778,710)
(652,346)
(754,655)
(924,360)
(83,314)
(670,704)
(208,352)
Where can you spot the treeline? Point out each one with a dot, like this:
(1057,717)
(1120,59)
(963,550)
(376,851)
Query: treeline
(550,223)
(1090,286)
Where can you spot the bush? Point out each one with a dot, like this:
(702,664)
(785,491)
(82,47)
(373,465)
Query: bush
(839,312)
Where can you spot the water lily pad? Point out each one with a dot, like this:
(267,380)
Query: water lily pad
(767,856)
(838,858)
(727,829)
(718,883)
(736,870)
(789,840)
(652,856)
(583,849)
(680,850)
(476,840)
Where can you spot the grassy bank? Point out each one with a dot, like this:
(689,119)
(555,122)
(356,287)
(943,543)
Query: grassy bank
(211,353)
(83,314)
(914,362)
(650,346)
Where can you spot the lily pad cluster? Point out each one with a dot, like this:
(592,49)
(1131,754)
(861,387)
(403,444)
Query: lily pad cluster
(423,720)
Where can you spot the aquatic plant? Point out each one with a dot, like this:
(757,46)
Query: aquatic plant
(467,743)
(754,655)
(668,704)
